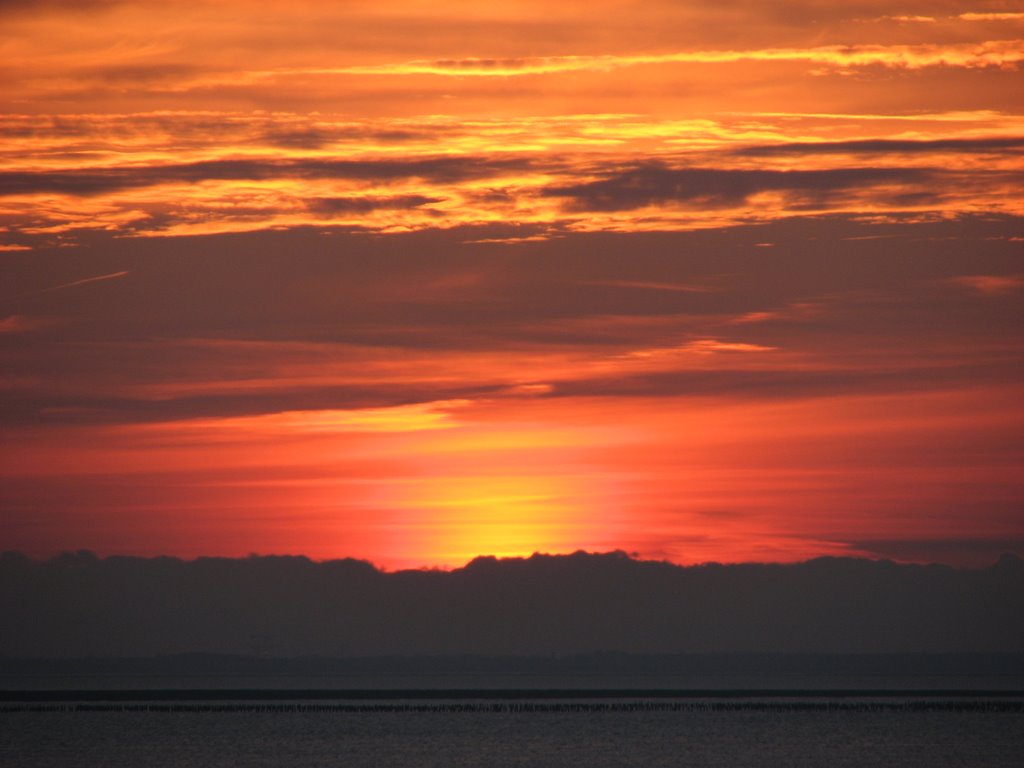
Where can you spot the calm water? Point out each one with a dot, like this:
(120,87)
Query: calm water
(287,739)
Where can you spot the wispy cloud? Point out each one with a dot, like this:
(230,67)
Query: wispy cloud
(990,284)
(26,323)
(993,53)
(717,188)
(94,181)
(76,283)
(1007,16)
(400,418)
(643,285)
(907,19)
(64,174)
(981,144)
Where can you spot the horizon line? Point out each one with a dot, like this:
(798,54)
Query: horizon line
(484,558)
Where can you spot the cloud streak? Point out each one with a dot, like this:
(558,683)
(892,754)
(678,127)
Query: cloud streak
(74,284)
(994,145)
(993,53)
(96,181)
(712,188)
(68,174)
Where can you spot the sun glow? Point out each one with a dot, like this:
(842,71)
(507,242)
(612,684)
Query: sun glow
(505,516)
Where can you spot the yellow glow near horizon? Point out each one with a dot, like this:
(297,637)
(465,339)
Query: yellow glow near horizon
(504,516)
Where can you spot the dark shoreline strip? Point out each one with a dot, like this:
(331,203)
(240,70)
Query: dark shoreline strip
(484,694)
(530,707)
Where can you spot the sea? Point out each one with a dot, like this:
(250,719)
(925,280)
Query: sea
(288,727)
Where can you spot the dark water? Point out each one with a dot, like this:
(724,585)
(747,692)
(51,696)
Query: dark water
(492,735)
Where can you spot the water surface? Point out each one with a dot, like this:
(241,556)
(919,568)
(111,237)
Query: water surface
(487,734)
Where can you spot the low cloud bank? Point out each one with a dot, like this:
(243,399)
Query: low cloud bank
(79,605)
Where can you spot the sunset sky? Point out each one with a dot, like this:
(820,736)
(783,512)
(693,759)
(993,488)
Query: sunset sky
(418,281)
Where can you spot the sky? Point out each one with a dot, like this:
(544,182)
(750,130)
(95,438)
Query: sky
(413,282)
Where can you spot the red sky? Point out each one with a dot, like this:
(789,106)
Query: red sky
(414,282)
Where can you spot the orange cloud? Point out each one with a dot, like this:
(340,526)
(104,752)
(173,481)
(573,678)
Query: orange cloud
(990,284)
(26,323)
(1014,16)
(992,53)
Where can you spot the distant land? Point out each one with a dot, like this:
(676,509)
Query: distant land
(735,672)
(80,606)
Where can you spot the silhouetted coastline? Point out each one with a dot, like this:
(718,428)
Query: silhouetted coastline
(544,606)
